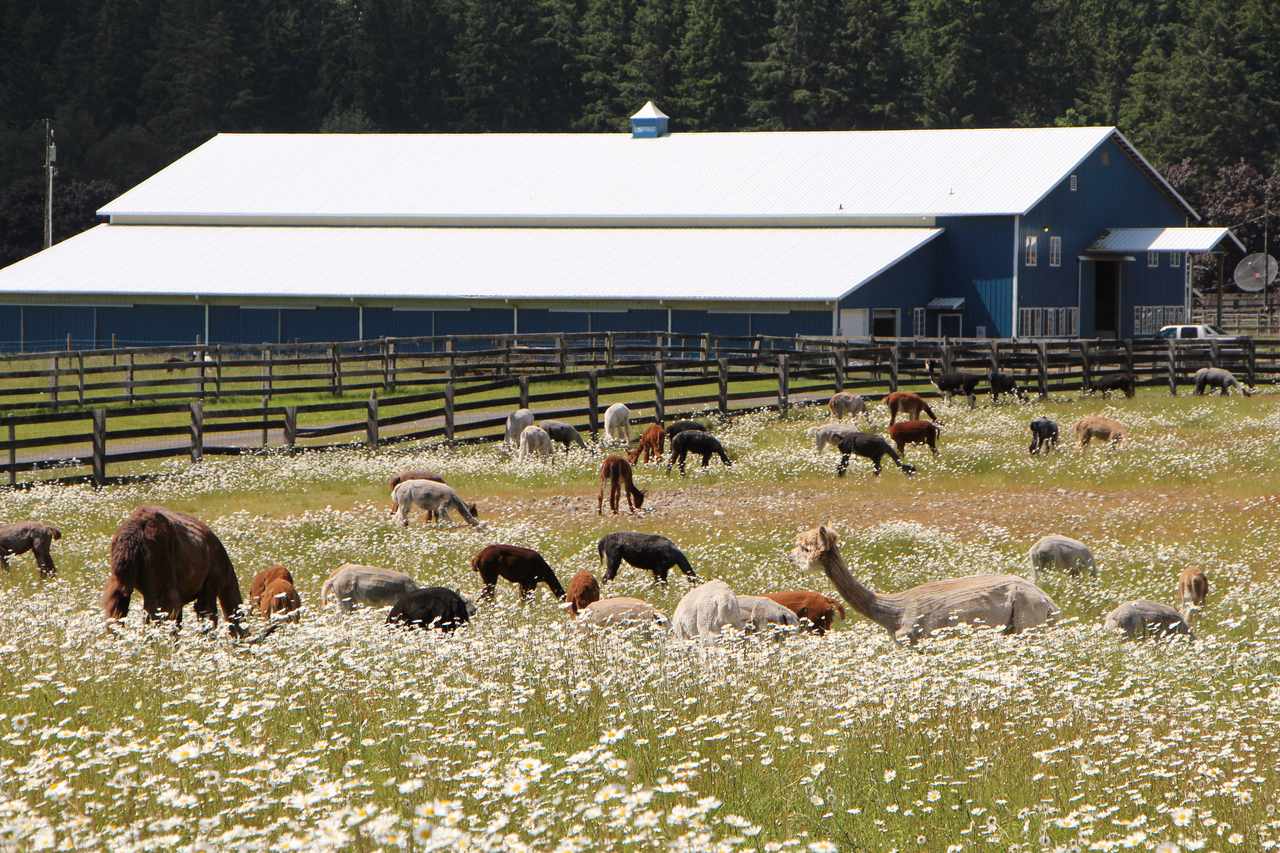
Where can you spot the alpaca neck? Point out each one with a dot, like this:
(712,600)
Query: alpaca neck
(882,611)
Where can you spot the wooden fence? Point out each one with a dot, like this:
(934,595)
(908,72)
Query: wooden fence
(469,405)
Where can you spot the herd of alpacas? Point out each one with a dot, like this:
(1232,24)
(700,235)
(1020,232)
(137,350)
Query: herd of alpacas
(174,559)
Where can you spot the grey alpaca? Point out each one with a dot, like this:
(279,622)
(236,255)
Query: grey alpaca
(647,551)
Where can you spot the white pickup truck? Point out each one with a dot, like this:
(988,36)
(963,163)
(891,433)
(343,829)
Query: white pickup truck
(1202,330)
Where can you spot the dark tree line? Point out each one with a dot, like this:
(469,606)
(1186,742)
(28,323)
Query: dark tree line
(132,84)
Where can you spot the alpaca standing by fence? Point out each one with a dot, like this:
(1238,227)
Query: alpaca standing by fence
(617,423)
(1207,378)
(910,405)
(704,444)
(844,404)
(516,423)
(564,433)
(651,445)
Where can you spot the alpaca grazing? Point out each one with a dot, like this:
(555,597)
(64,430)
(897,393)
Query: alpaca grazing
(647,551)
(869,446)
(1108,382)
(831,434)
(674,429)
(915,432)
(1099,427)
(1193,589)
(535,441)
(1140,619)
(354,585)
(1044,435)
(264,578)
(910,405)
(34,536)
(420,474)
(436,498)
(1217,377)
(1062,553)
(761,614)
(620,611)
(705,611)
(844,404)
(953,382)
(522,566)
(1004,383)
(651,445)
(280,600)
(617,423)
(584,590)
(432,607)
(616,470)
(1005,602)
(703,444)
(516,423)
(563,433)
(811,608)
(173,559)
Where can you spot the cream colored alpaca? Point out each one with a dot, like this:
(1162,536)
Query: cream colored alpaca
(706,610)
(619,611)
(845,404)
(516,423)
(1099,427)
(1006,602)
(763,613)
(617,423)
(535,441)
(1193,589)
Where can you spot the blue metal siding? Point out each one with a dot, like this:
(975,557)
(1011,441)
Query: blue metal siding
(995,303)
(908,284)
(10,328)
(792,323)
(47,327)
(319,324)
(635,320)
(231,325)
(975,252)
(146,324)
(544,320)
(693,322)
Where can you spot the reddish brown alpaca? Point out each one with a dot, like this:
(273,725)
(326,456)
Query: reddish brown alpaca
(173,559)
(264,578)
(281,598)
(911,405)
(819,609)
(651,444)
(915,432)
(584,589)
(1193,588)
(617,471)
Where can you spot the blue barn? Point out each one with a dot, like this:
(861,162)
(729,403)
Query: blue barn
(254,238)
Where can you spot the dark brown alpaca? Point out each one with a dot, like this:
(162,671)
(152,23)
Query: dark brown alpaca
(522,566)
(264,578)
(651,444)
(819,609)
(34,536)
(278,599)
(910,405)
(915,432)
(172,559)
(584,590)
(617,471)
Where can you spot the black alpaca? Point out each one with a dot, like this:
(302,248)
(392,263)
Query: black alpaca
(647,551)
(680,426)
(1003,383)
(695,441)
(1044,434)
(432,607)
(952,383)
(1108,382)
(870,446)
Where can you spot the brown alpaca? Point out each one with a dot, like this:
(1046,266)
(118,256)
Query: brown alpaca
(915,432)
(584,590)
(279,599)
(522,566)
(264,578)
(617,471)
(819,609)
(1193,588)
(173,559)
(911,405)
(651,444)
(1099,427)
(34,536)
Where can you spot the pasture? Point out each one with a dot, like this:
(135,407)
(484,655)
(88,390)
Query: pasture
(521,731)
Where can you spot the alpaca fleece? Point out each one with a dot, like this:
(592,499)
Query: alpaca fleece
(34,536)
(647,551)
(522,566)
(433,607)
(703,444)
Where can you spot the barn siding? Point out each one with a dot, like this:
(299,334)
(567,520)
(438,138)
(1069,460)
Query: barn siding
(10,328)
(908,284)
(532,320)
(142,324)
(47,327)
(319,324)
(975,261)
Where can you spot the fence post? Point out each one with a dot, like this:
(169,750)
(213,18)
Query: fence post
(450,346)
(1173,367)
(840,357)
(523,382)
(1252,364)
(593,402)
(13,454)
(722,365)
(1213,354)
(53,383)
(562,350)
(1042,368)
(659,393)
(448,411)
(128,380)
(69,347)
(267,372)
(755,354)
(609,353)
(371,422)
(1128,358)
(388,364)
(784,392)
(217,372)
(266,420)
(893,367)
(1086,369)
(995,356)
(115,340)
(290,426)
(80,371)
(335,370)
(99,446)
(704,351)
(197,430)
(946,356)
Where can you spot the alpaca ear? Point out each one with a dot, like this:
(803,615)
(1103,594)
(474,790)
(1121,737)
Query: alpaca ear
(827,535)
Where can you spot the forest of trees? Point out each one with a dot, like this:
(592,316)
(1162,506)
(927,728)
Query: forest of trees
(132,84)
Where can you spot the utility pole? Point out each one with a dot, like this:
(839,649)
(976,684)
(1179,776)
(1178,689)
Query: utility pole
(50,157)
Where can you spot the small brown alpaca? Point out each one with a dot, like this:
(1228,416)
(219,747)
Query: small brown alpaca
(1193,588)
(915,432)
(584,590)
(820,610)
(651,444)
(278,599)
(1099,427)
(911,405)
(617,471)
(264,578)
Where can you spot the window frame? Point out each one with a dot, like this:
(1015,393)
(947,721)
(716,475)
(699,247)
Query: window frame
(919,321)
(1153,260)
(1075,182)
(1055,251)
(1031,250)
(1175,260)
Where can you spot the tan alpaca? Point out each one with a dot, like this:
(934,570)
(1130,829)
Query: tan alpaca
(1100,427)
(1193,589)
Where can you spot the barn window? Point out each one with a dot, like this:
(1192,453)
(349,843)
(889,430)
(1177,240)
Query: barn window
(1106,158)
(1055,251)
(1175,259)
(1075,183)
(1153,259)
(917,322)
(1033,249)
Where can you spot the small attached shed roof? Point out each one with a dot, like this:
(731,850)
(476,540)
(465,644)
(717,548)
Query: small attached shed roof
(946,303)
(1134,240)
(516,264)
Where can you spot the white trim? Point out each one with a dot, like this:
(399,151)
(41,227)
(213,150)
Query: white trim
(1075,182)
(1153,260)
(1055,251)
(360,322)
(920,322)
(958,315)
(1013,321)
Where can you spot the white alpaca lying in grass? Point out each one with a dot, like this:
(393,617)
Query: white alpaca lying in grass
(430,496)
(535,441)
(705,610)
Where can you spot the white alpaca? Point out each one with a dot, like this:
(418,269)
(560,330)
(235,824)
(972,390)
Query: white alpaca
(1063,553)
(830,434)
(617,423)
(535,441)
(1139,619)
(370,586)
(763,613)
(432,497)
(516,423)
(705,610)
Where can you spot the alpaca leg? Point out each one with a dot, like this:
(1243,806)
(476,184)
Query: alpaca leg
(706,459)
(600,499)
(843,466)
(615,563)
(933,445)
(615,494)
(44,561)
(232,604)
(4,564)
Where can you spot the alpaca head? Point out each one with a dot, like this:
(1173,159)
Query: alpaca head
(583,591)
(813,546)
(638,497)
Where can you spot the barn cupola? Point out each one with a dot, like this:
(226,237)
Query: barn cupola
(649,122)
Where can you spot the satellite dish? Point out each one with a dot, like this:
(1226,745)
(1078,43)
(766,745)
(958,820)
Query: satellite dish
(1256,272)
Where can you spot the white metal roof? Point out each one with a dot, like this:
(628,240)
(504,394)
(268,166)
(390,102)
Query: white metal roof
(594,179)
(678,264)
(1127,240)
(650,110)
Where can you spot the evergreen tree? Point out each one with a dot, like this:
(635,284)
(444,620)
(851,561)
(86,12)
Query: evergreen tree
(650,69)
(605,27)
(802,82)
(712,64)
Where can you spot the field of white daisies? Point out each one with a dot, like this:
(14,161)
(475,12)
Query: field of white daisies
(521,732)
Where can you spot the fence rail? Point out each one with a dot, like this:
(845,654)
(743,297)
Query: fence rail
(469,400)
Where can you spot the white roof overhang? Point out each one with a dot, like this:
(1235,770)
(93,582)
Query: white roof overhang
(1122,241)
